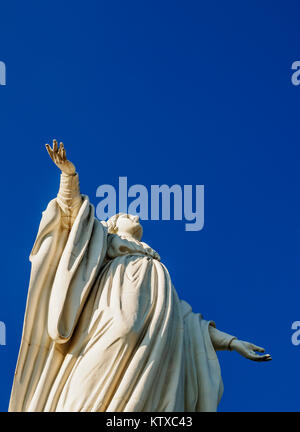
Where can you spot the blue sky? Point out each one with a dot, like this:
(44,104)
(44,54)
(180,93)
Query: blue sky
(167,92)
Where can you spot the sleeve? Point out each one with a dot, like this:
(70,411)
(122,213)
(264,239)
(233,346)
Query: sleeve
(69,199)
(219,339)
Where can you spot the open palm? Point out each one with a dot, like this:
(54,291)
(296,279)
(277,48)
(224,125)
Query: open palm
(58,155)
(249,350)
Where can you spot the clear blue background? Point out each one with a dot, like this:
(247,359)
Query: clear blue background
(166,92)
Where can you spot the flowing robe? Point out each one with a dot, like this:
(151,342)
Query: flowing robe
(104,329)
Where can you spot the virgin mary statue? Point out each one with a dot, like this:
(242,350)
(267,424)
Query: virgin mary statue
(104,329)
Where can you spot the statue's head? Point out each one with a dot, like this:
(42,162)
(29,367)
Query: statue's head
(126,224)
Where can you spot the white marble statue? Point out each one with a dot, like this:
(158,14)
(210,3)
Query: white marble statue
(104,329)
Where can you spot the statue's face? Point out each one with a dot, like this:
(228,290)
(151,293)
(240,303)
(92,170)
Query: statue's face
(129,224)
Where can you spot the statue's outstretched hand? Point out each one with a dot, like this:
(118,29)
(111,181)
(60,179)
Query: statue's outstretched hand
(58,155)
(249,350)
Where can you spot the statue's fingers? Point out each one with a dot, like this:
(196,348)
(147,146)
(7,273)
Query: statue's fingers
(254,357)
(58,157)
(55,146)
(60,151)
(267,357)
(259,358)
(64,154)
(258,349)
(49,150)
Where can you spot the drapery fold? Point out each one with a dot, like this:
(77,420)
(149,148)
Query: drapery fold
(64,267)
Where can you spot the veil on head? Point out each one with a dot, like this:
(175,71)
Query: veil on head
(112,223)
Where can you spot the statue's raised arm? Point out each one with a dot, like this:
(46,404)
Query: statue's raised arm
(68,198)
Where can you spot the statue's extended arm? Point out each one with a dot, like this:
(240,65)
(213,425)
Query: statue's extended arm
(220,340)
(224,341)
(68,198)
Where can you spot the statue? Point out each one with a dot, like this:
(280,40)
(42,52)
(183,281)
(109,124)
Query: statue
(104,329)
